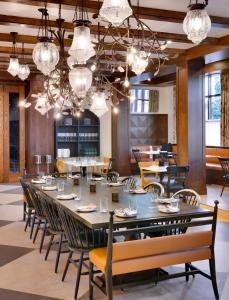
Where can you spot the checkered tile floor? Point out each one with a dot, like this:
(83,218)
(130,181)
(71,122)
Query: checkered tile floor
(24,275)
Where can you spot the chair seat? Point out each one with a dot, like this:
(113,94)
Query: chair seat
(99,256)
(174,187)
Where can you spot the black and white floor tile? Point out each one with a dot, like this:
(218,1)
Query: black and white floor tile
(24,275)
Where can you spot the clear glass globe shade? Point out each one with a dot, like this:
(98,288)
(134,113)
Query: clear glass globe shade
(115,11)
(99,105)
(82,48)
(196,25)
(80,79)
(13,68)
(23,72)
(45,56)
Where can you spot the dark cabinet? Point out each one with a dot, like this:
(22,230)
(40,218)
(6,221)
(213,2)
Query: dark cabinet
(80,135)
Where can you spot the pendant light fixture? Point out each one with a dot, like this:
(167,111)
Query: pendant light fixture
(13,67)
(197,23)
(82,48)
(115,11)
(45,53)
(99,106)
(80,79)
(24,70)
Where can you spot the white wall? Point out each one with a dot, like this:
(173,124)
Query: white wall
(105,134)
(212,133)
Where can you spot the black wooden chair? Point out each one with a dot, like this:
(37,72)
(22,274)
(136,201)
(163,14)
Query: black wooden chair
(55,227)
(112,176)
(130,182)
(225,167)
(39,217)
(188,196)
(155,186)
(28,208)
(176,177)
(167,147)
(81,240)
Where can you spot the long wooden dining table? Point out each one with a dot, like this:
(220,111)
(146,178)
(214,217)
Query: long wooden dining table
(147,210)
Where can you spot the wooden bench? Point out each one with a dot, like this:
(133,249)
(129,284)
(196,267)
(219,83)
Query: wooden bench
(154,253)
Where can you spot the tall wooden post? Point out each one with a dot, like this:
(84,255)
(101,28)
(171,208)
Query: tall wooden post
(191,122)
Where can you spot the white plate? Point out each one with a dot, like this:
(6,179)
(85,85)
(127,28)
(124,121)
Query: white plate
(139,191)
(86,208)
(66,197)
(166,200)
(125,213)
(115,184)
(49,188)
(168,209)
(37,181)
(74,176)
(47,177)
(97,178)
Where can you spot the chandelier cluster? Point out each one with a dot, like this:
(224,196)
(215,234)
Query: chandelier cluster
(15,68)
(74,80)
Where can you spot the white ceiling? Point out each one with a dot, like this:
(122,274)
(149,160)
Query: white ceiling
(216,7)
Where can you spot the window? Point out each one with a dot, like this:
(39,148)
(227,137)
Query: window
(140,103)
(212,108)
(212,96)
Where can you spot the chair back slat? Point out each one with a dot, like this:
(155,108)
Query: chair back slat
(26,193)
(224,161)
(36,201)
(78,235)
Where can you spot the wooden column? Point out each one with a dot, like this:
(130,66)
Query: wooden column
(39,129)
(120,139)
(191,122)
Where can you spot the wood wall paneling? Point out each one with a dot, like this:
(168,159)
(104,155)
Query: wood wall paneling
(39,129)
(148,129)
(120,139)
(1,133)
(191,122)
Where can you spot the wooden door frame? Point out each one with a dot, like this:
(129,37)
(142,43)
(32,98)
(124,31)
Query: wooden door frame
(7,176)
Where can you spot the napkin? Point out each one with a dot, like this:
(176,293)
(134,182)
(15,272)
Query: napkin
(49,188)
(38,181)
(87,208)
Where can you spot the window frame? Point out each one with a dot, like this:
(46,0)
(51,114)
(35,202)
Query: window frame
(142,99)
(208,98)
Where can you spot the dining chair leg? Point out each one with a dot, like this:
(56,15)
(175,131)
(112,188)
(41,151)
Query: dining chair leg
(24,210)
(91,276)
(43,236)
(49,246)
(186,270)
(27,221)
(32,227)
(223,188)
(58,253)
(36,232)
(78,274)
(213,277)
(67,265)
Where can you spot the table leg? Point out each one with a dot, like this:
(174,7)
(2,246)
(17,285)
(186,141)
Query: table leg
(83,171)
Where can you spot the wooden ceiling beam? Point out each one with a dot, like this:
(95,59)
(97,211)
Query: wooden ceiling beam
(145,13)
(202,50)
(35,23)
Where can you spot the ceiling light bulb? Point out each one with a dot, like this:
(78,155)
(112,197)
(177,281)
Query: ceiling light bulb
(22,103)
(115,110)
(115,11)
(93,67)
(78,114)
(121,69)
(132,98)
(58,115)
(80,79)
(126,83)
(24,71)
(99,105)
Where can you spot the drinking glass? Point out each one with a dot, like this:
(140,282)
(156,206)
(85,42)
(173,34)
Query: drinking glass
(48,181)
(60,186)
(133,204)
(79,194)
(175,203)
(103,204)
(154,196)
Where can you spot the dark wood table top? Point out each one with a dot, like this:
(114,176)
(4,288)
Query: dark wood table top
(147,210)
